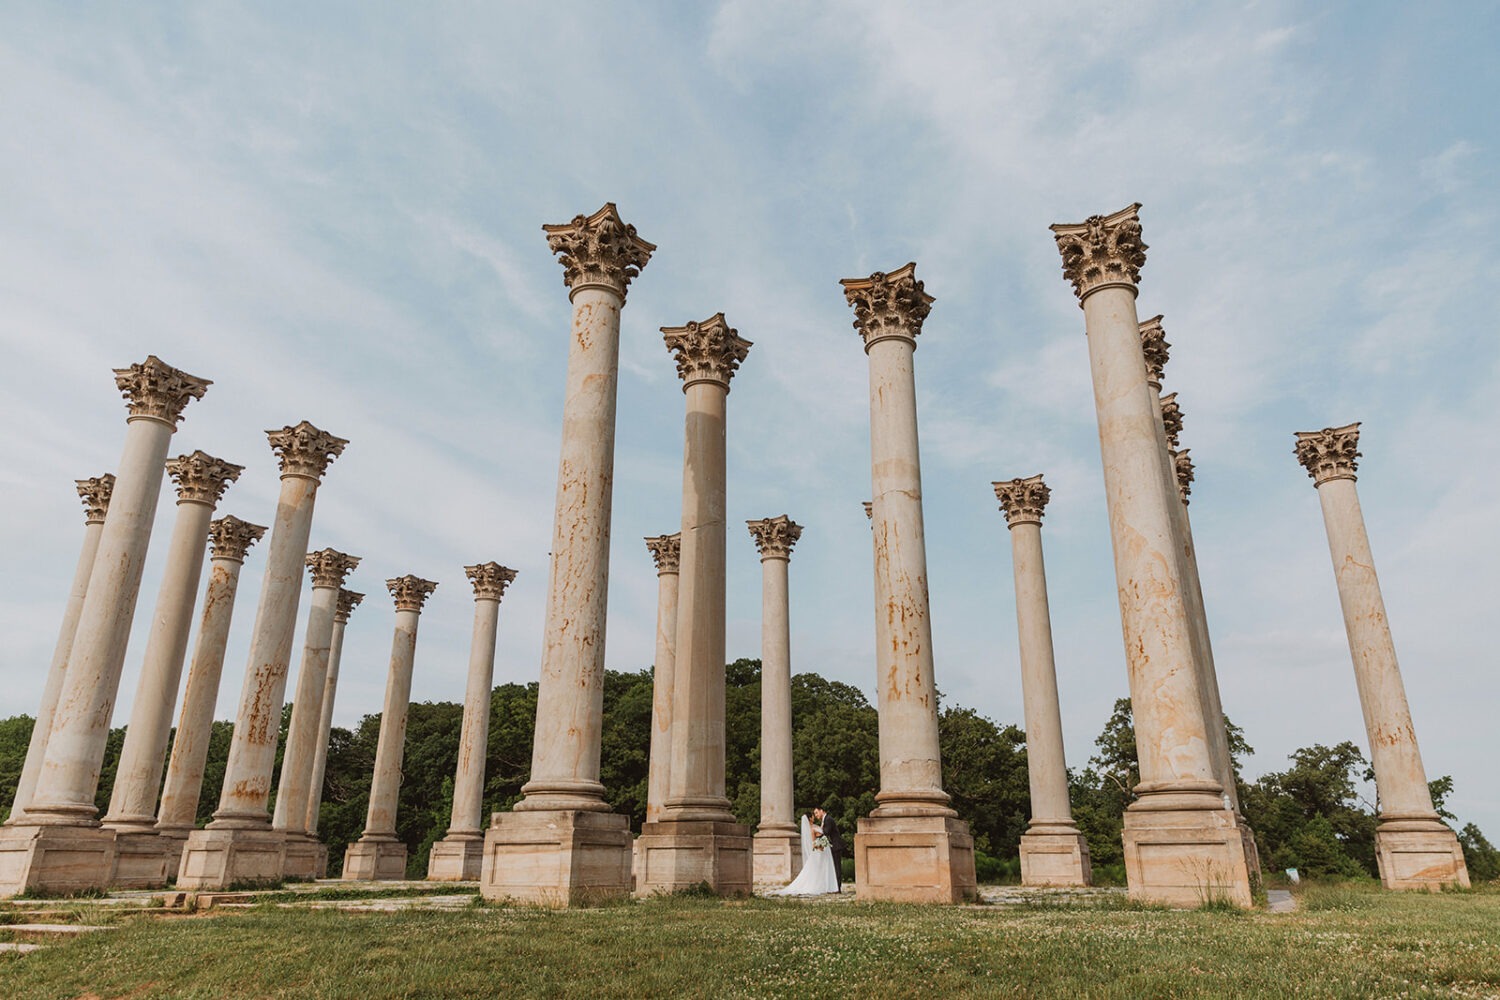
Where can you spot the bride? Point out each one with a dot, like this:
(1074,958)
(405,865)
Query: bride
(818,876)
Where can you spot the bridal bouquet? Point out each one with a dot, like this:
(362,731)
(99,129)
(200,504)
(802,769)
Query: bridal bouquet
(820,842)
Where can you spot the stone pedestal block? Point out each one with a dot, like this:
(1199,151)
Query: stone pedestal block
(55,859)
(683,854)
(1055,859)
(1186,856)
(777,856)
(563,857)
(218,859)
(456,859)
(301,859)
(321,871)
(144,860)
(1419,854)
(375,860)
(914,859)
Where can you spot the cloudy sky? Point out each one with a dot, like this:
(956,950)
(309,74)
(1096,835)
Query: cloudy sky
(335,214)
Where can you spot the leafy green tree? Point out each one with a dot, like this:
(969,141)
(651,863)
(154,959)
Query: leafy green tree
(1479,854)
(1322,784)
(984,770)
(15,738)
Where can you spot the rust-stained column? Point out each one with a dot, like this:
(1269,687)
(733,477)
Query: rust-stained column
(666,551)
(778,844)
(1413,847)
(347,602)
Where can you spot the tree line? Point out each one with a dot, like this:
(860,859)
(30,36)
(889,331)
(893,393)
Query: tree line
(1309,817)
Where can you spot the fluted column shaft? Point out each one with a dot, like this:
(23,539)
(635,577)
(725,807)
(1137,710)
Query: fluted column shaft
(380,819)
(307,711)
(776,803)
(348,601)
(468,783)
(663,674)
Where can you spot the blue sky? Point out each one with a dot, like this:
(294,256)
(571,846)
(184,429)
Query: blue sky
(335,215)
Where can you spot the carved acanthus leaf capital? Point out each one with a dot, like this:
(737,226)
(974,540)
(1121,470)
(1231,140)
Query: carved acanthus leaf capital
(869,507)
(666,552)
(1171,419)
(1156,349)
(231,538)
(888,305)
(330,568)
(1183,466)
(775,536)
(305,451)
(599,250)
(348,601)
(410,592)
(1023,500)
(490,580)
(710,351)
(158,391)
(1103,251)
(95,493)
(1331,453)
(201,478)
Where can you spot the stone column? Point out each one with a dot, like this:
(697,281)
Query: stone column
(696,840)
(1182,845)
(347,602)
(59,846)
(328,568)
(778,844)
(561,845)
(1053,851)
(141,859)
(912,847)
(230,539)
(95,494)
(240,846)
(378,853)
(1413,847)
(458,856)
(666,552)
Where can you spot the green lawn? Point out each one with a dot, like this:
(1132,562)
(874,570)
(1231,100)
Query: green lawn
(1342,943)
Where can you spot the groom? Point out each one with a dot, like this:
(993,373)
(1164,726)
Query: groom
(835,841)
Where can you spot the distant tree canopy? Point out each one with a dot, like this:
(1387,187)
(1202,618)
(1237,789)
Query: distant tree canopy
(1308,817)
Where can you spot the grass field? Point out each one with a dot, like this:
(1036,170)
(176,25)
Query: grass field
(1342,942)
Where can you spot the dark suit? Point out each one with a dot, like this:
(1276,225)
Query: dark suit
(835,845)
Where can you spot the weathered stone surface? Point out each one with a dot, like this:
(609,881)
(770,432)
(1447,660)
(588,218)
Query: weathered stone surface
(682,854)
(557,857)
(381,859)
(778,844)
(914,859)
(348,600)
(666,550)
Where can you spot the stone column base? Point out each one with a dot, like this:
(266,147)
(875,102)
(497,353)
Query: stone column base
(556,858)
(685,854)
(301,861)
(219,859)
(1185,856)
(173,841)
(321,871)
(55,859)
(1055,859)
(1417,854)
(777,856)
(144,859)
(456,858)
(914,859)
(372,860)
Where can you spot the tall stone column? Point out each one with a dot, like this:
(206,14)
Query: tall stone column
(59,845)
(230,538)
(95,495)
(141,858)
(348,600)
(561,845)
(778,844)
(1053,851)
(328,568)
(458,856)
(1413,847)
(1182,844)
(912,847)
(240,845)
(696,840)
(378,853)
(666,552)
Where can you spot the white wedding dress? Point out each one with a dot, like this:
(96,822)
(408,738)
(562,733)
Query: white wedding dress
(817,877)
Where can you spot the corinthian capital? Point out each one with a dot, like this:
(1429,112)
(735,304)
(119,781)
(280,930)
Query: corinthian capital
(95,493)
(305,451)
(157,391)
(869,506)
(666,552)
(775,536)
(490,580)
(710,351)
(231,538)
(1183,466)
(410,592)
(348,601)
(201,478)
(888,305)
(599,251)
(1156,349)
(1331,453)
(1104,251)
(330,568)
(1023,500)
(1171,418)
